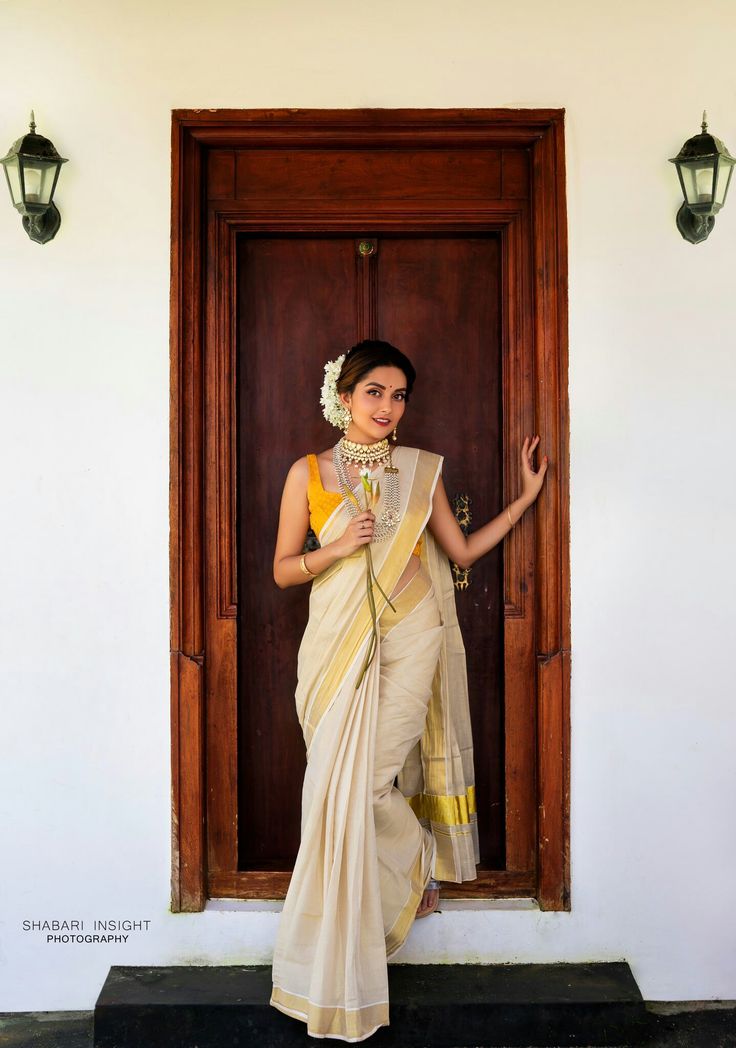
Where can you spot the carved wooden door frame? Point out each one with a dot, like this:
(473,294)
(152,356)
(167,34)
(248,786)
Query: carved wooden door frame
(202,457)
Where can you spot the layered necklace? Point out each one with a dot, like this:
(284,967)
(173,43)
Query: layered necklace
(370,455)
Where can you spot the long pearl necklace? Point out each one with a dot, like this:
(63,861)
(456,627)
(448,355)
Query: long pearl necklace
(346,451)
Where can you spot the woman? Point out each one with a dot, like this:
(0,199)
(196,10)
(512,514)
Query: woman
(378,701)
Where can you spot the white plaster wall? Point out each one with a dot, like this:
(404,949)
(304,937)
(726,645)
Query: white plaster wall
(84,793)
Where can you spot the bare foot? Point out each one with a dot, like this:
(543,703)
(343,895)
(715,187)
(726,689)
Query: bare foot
(429,901)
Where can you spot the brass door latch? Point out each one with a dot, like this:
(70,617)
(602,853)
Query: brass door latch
(461,509)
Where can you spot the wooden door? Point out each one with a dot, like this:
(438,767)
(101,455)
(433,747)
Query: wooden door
(299,304)
(465,210)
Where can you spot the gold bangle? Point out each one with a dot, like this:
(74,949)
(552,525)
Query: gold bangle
(508,511)
(305,569)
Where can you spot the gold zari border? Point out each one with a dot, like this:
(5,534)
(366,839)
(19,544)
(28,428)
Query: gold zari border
(352,1023)
(396,935)
(451,811)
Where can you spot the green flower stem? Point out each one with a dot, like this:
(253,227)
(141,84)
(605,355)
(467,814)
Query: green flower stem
(372,605)
(371,577)
(370,561)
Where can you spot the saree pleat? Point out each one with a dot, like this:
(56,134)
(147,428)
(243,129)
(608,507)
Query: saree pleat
(410,645)
(438,777)
(366,852)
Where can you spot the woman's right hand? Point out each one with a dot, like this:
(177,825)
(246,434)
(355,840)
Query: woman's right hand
(359,532)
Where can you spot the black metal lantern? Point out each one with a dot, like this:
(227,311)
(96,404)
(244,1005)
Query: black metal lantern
(704,166)
(32,168)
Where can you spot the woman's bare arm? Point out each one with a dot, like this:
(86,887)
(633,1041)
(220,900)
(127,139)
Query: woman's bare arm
(463,549)
(293,526)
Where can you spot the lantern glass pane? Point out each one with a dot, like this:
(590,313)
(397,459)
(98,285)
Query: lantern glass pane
(39,181)
(697,179)
(722,180)
(13,174)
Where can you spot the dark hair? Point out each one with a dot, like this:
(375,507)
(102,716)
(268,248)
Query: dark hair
(373,353)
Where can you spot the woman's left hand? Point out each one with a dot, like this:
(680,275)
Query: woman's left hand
(532,481)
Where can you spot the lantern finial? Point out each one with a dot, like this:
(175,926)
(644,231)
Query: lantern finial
(704,125)
(33,123)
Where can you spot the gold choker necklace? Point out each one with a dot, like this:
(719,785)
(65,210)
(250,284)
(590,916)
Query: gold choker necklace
(364,454)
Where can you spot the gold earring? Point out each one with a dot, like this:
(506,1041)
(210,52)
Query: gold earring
(395,428)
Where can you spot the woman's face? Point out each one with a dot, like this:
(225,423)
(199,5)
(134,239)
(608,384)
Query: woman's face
(380,394)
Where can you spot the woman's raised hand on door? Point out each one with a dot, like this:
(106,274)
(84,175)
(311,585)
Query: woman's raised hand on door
(532,481)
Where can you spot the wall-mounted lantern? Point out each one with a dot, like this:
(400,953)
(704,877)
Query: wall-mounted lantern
(32,168)
(704,166)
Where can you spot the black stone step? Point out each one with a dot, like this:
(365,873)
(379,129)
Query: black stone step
(452,1005)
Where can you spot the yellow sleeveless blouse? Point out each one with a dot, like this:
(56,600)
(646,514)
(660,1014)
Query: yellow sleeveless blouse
(322,502)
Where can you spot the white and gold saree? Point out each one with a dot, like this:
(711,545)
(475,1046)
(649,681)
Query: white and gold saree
(367,848)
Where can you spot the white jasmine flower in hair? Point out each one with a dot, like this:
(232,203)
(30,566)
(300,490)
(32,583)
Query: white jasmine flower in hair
(333,408)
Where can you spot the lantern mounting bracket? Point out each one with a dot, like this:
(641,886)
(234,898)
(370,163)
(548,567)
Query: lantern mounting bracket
(694,228)
(43,228)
